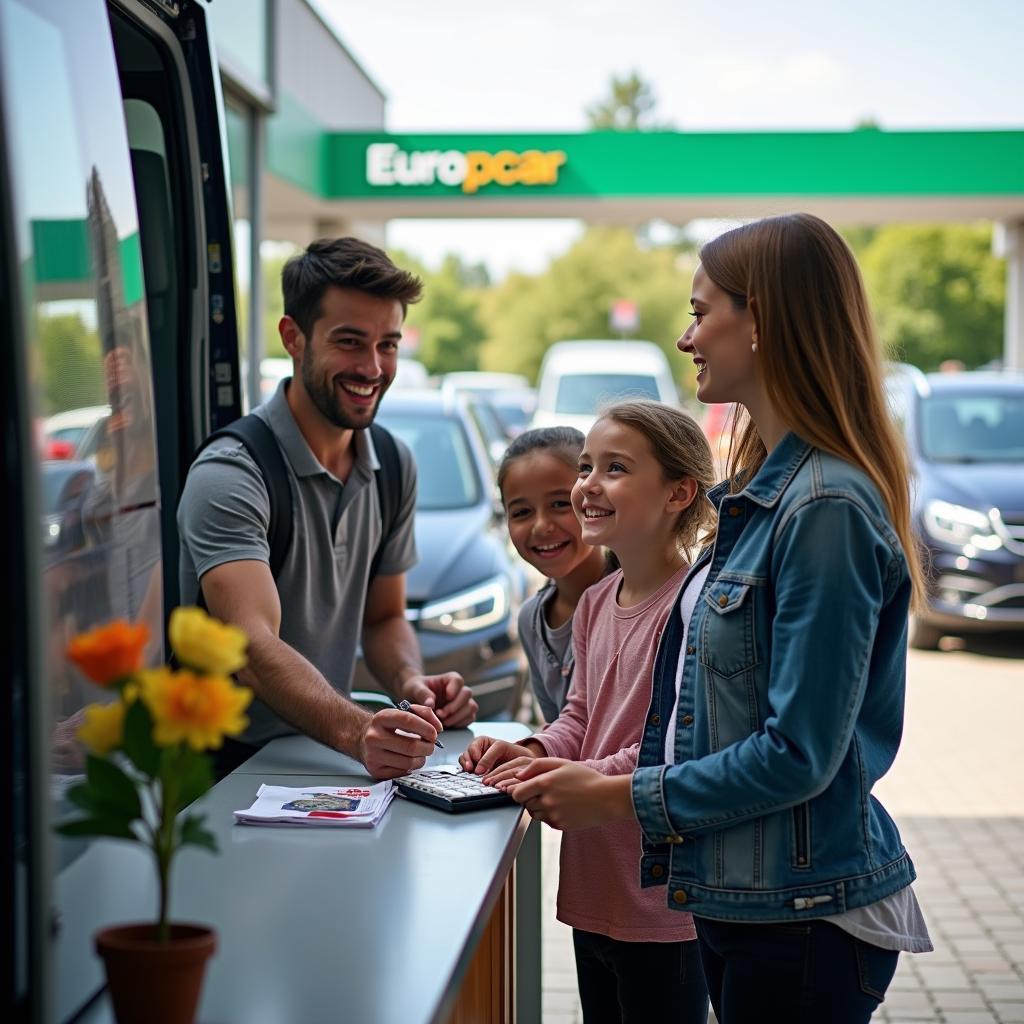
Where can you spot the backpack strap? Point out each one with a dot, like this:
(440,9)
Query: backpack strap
(389,488)
(259,441)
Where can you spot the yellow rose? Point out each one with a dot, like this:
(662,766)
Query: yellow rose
(198,710)
(103,728)
(204,644)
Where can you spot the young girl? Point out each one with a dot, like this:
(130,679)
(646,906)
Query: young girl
(787,673)
(536,478)
(642,493)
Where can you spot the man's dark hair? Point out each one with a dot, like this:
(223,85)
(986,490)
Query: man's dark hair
(342,263)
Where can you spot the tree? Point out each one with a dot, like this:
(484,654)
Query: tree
(71,353)
(937,292)
(447,318)
(628,108)
(573,298)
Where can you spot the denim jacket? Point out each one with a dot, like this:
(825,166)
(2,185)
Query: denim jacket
(790,706)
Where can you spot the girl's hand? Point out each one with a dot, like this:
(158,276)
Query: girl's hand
(485,753)
(571,796)
(507,773)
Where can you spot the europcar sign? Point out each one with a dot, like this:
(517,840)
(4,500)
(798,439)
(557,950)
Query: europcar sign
(387,164)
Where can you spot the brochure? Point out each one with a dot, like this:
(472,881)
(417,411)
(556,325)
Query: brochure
(322,806)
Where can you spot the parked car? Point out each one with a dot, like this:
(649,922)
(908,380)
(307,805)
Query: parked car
(965,434)
(489,425)
(463,596)
(578,377)
(510,395)
(64,432)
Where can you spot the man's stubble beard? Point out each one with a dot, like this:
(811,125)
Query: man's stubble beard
(325,398)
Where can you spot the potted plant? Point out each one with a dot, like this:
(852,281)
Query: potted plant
(147,762)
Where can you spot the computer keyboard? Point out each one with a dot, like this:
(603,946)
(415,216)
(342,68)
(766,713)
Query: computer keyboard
(450,789)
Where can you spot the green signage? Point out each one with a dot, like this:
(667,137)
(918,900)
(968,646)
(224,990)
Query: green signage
(593,165)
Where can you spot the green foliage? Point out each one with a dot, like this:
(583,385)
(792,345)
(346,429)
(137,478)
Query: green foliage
(447,318)
(574,297)
(138,742)
(937,292)
(193,834)
(70,351)
(628,108)
(110,790)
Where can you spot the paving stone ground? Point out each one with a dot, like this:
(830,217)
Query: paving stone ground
(957,793)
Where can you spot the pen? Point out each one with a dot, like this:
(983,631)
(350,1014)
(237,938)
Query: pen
(404,705)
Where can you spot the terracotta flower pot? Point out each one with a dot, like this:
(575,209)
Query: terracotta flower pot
(151,982)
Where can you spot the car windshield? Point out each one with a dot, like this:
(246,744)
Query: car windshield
(582,394)
(973,427)
(445,468)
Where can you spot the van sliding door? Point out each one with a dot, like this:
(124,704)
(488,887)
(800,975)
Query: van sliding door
(120,355)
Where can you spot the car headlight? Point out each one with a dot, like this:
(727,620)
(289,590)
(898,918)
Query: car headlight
(964,527)
(477,608)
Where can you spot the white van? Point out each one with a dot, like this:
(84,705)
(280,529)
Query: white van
(577,378)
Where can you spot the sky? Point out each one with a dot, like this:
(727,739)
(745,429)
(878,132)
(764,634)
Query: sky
(452,65)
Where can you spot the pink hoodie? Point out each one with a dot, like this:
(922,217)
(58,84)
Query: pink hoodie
(601,723)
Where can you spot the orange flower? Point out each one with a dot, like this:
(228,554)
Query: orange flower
(198,710)
(111,653)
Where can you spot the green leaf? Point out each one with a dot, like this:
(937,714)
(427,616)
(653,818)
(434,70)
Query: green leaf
(81,796)
(98,825)
(138,739)
(111,789)
(193,833)
(194,779)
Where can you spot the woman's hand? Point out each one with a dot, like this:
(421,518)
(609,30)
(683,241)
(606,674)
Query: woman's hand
(485,753)
(567,795)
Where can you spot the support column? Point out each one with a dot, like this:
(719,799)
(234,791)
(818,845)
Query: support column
(1009,242)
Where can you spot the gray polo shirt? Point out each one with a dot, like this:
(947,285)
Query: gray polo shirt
(224,516)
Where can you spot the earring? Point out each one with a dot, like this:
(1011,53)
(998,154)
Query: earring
(753,347)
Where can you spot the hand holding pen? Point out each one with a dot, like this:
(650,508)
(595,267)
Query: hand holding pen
(404,705)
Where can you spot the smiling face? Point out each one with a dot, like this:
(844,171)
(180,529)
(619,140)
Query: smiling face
(542,525)
(720,339)
(621,495)
(351,356)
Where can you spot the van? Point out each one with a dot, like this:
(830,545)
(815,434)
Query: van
(577,378)
(118,311)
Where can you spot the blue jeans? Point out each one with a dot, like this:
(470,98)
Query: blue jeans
(801,973)
(639,982)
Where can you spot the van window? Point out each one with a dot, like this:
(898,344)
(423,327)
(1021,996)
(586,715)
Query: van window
(581,394)
(79,258)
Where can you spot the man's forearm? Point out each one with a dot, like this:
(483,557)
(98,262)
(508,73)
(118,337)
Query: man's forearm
(392,653)
(293,689)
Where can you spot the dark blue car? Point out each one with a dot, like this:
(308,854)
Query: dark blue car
(463,596)
(965,434)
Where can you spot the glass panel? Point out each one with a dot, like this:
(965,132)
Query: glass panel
(239,29)
(444,462)
(585,393)
(974,427)
(80,264)
(240,141)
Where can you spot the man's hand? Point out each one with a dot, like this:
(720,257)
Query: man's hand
(485,753)
(571,796)
(386,753)
(447,694)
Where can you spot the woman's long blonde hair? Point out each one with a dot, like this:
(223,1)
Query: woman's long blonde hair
(818,354)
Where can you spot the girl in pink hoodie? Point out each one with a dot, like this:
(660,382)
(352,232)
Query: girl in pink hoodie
(642,493)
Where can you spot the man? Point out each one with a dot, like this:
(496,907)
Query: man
(345,303)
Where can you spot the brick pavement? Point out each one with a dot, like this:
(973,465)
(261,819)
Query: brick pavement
(957,793)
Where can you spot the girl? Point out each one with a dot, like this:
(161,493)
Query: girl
(785,656)
(535,479)
(642,493)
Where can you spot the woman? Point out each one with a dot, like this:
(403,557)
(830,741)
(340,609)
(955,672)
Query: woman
(779,682)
